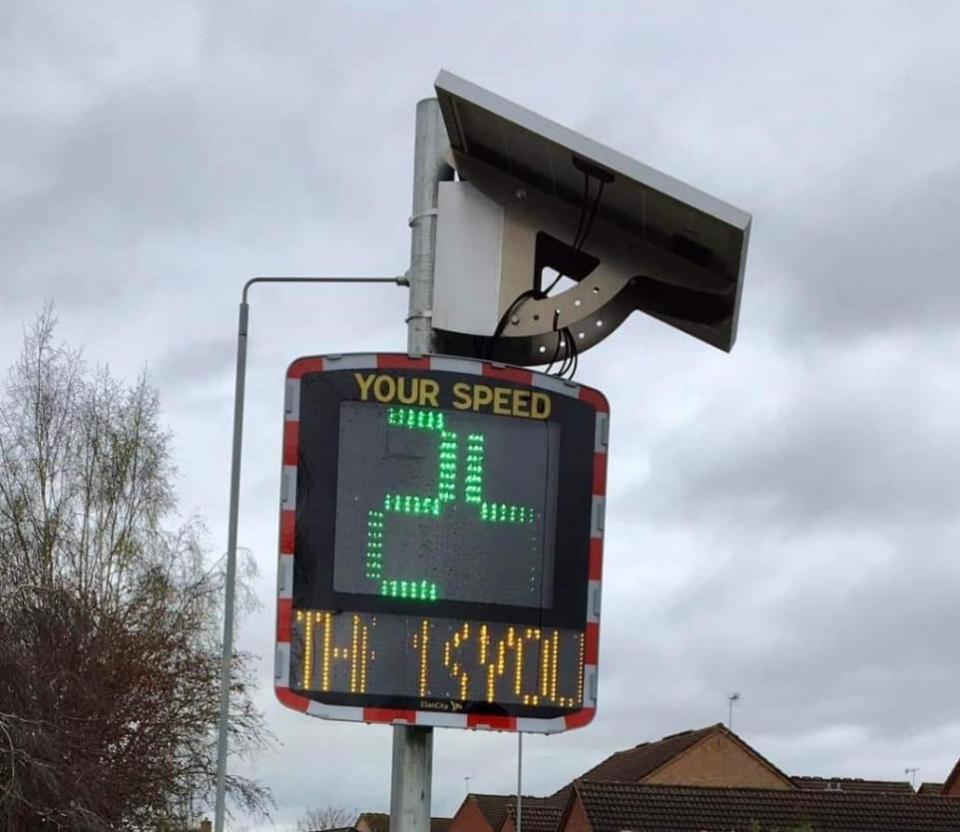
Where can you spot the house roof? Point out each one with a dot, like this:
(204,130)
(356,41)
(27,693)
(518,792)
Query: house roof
(852,784)
(492,807)
(637,763)
(952,778)
(540,814)
(380,822)
(612,807)
(928,789)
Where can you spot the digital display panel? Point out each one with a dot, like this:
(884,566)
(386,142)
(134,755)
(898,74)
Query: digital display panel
(449,515)
(439,659)
(439,543)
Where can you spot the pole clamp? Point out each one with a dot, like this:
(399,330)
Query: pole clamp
(430,212)
(419,314)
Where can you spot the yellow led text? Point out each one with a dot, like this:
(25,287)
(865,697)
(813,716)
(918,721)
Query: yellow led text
(425,392)
(503,401)
(421,392)
(457,661)
(318,627)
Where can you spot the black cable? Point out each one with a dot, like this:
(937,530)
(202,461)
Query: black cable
(593,213)
(571,349)
(583,207)
(549,288)
(562,341)
(583,215)
(517,302)
(571,361)
(578,242)
(556,351)
(576,361)
(568,352)
(502,324)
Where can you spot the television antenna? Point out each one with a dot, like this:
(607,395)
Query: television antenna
(732,698)
(913,775)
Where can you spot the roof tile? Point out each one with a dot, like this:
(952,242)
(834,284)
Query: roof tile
(380,822)
(637,762)
(612,807)
(492,807)
(852,784)
(540,814)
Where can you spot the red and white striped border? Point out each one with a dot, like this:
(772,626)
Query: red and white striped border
(291,438)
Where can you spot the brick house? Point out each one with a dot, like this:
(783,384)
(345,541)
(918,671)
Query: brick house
(951,787)
(372,822)
(710,780)
(481,813)
(539,815)
(380,822)
(712,756)
(613,807)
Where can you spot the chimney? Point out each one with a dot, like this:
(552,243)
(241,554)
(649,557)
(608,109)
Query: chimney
(206,826)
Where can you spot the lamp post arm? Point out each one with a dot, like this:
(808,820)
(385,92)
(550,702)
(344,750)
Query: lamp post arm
(399,280)
(231,576)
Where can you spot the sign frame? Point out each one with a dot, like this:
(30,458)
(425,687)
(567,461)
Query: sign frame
(492,372)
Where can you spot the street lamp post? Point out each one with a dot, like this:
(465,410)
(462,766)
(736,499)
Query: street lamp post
(231,577)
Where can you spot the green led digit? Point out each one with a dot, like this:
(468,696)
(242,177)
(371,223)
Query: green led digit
(473,489)
(448,452)
(411,504)
(473,479)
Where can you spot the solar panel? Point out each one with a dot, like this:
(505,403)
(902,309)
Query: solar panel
(659,245)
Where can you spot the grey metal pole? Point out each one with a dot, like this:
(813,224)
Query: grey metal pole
(429,168)
(228,601)
(231,577)
(519,781)
(412,768)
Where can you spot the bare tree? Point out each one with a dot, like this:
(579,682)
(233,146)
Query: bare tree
(326,817)
(109,645)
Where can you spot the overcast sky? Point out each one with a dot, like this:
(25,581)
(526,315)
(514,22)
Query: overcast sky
(783,521)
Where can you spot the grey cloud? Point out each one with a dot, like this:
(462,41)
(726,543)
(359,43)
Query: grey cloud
(197,361)
(861,645)
(848,437)
(146,169)
(887,266)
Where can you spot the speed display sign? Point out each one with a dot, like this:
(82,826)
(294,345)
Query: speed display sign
(440,543)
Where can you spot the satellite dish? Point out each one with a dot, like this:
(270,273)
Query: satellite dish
(536,200)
